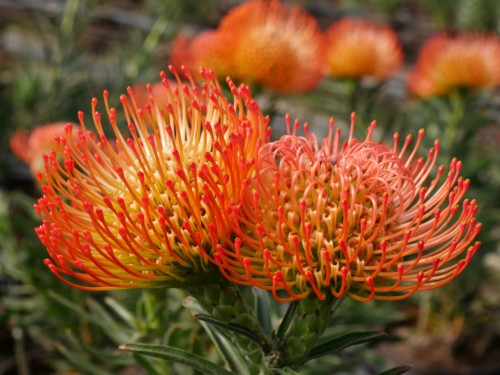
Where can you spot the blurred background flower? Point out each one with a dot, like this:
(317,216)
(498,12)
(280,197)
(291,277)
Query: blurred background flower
(29,146)
(263,43)
(453,62)
(358,48)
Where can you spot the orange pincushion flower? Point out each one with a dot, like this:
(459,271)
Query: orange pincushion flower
(359,48)
(261,42)
(207,49)
(147,209)
(351,220)
(28,146)
(448,62)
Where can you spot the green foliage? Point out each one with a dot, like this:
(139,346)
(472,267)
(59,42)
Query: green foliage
(177,355)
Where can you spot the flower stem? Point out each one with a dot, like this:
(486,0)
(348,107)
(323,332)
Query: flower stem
(453,119)
(302,331)
(223,302)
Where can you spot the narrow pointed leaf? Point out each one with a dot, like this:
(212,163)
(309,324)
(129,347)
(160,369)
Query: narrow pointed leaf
(263,308)
(114,330)
(224,346)
(121,311)
(146,364)
(339,343)
(71,305)
(81,362)
(226,349)
(238,328)
(177,355)
(396,370)
(287,319)
(285,371)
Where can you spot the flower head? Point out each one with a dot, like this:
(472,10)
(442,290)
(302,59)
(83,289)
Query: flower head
(358,48)
(208,48)
(448,62)
(355,219)
(146,209)
(29,146)
(261,42)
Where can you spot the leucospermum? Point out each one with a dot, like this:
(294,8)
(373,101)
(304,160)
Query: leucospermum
(355,218)
(208,48)
(357,48)
(447,63)
(263,43)
(146,209)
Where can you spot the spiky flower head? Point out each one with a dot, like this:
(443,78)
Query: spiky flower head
(447,63)
(358,48)
(263,43)
(356,218)
(147,209)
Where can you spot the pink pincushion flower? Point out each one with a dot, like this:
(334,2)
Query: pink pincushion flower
(356,218)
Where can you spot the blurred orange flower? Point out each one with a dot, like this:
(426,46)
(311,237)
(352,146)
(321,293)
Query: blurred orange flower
(354,218)
(146,209)
(208,49)
(29,145)
(449,62)
(357,48)
(262,43)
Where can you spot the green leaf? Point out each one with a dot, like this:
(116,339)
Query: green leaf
(121,311)
(226,349)
(71,305)
(81,363)
(287,319)
(96,354)
(396,370)
(238,328)
(115,331)
(193,305)
(339,343)
(177,355)
(146,364)
(263,309)
(285,371)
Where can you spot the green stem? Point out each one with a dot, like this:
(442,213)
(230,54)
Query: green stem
(453,119)
(223,301)
(302,331)
(353,93)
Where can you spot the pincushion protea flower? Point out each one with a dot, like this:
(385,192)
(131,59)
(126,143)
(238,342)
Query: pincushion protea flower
(354,219)
(208,48)
(146,209)
(28,146)
(357,48)
(263,43)
(449,62)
